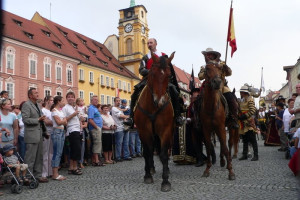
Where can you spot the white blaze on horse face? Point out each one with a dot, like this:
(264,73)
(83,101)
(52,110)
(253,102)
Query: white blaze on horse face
(162,71)
(161,101)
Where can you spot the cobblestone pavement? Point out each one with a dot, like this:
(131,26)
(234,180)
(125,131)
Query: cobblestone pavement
(268,178)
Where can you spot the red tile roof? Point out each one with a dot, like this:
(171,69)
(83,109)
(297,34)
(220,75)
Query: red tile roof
(71,43)
(89,51)
(185,77)
(21,29)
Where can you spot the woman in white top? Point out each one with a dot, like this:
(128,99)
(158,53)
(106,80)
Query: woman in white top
(58,135)
(47,144)
(108,130)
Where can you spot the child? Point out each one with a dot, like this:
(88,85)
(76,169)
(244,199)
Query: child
(13,161)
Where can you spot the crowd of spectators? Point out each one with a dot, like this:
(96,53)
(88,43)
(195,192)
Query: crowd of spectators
(60,132)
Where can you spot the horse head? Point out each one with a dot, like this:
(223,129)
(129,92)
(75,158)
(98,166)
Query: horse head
(158,77)
(213,74)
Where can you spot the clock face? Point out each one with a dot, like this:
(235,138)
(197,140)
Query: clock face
(143,29)
(128,28)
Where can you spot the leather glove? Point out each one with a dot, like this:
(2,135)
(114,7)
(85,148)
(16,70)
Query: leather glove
(144,72)
(243,117)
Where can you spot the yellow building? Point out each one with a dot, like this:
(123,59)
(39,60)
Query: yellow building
(99,72)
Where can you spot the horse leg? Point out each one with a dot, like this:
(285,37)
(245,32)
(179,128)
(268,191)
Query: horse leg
(236,139)
(208,144)
(148,153)
(213,154)
(165,185)
(222,137)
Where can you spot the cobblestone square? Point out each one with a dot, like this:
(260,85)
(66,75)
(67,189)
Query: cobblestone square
(269,178)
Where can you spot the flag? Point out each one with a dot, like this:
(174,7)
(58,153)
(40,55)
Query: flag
(262,83)
(231,34)
(192,81)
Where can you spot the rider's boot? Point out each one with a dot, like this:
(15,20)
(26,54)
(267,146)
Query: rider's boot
(232,117)
(176,107)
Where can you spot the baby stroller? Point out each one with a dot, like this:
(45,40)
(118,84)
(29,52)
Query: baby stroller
(16,184)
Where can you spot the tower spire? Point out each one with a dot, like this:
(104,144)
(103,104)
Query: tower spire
(132,3)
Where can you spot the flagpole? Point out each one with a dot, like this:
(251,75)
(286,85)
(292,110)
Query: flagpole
(228,32)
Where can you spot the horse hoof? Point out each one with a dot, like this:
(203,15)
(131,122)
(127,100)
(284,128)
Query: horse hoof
(231,177)
(222,163)
(152,171)
(148,180)
(165,187)
(234,156)
(205,174)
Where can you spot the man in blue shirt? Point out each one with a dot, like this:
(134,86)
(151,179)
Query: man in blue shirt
(95,127)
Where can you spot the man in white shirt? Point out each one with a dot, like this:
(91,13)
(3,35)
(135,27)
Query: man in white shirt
(121,136)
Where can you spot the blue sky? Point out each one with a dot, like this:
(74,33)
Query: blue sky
(267,32)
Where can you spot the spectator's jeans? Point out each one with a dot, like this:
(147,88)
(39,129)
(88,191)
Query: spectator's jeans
(58,139)
(135,143)
(122,140)
(22,146)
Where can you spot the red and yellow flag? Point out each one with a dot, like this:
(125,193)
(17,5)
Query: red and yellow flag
(231,35)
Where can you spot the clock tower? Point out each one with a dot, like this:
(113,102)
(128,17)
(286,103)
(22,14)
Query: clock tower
(133,36)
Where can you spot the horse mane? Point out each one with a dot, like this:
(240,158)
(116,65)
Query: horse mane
(163,62)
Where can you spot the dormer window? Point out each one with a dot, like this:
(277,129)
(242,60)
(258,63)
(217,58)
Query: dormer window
(47,33)
(84,56)
(109,58)
(29,35)
(92,51)
(57,44)
(65,34)
(19,23)
(103,62)
(73,44)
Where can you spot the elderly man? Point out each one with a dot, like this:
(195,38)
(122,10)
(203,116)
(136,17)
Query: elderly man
(34,129)
(145,66)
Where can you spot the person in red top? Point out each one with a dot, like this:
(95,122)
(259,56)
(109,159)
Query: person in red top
(145,66)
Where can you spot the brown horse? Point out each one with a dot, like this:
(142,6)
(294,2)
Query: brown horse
(154,118)
(213,115)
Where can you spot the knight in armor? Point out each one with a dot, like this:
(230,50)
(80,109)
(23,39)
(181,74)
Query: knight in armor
(145,66)
(247,124)
(213,56)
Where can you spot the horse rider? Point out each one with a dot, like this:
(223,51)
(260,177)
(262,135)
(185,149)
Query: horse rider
(213,56)
(145,66)
(247,124)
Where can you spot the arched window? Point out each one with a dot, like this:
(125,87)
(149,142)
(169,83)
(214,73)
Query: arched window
(129,46)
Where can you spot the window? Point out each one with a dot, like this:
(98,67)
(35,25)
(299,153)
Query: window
(10,90)
(81,94)
(32,67)
(47,70)
(112,82)
(91,77)
(102,79)
(10,58)
(112,100)
(108,100)
(58,93)
(129,46)
(32,64)
(107,81)
(69,75)
(10,61)
(91,95)
(47,93)
(102,99)
(120,84)
(124,86)
(81,75)
(129,87)
(58,73)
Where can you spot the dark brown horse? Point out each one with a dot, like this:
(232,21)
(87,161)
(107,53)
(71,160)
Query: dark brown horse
(213,115)
(154,118)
